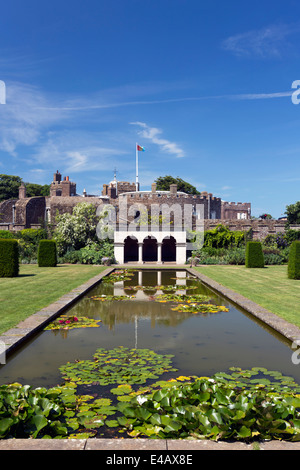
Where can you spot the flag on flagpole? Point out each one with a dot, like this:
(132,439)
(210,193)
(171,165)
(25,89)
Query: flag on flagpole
(140,148)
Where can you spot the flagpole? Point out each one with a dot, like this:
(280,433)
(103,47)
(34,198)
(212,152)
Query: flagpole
(137,168)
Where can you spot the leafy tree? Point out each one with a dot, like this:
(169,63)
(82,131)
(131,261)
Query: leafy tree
(265,216)
(293,213)
(9,186)
(33,189)
(163,184)
(76,230)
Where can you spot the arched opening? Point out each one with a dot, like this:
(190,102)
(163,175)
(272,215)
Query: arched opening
(131,249)
(150,249)
(168,249)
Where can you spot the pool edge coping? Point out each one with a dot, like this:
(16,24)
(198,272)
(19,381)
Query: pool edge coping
(127,445)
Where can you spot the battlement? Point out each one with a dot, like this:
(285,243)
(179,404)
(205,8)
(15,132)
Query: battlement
(235,210)
(61,187)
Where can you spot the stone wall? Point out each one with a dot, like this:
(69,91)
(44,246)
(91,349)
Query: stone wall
(260,228)
(236,210)
(211,205)
(35,211)
(6,210)
(18,214)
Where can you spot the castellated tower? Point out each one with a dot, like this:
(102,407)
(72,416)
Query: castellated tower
(61,187)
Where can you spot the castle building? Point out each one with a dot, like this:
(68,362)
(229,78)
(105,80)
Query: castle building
(172,206)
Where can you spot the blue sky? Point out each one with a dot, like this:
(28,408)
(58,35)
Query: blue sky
(204,86)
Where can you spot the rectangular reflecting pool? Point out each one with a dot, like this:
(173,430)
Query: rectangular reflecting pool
(201,343)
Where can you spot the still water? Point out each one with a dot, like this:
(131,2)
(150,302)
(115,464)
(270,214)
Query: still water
(201,344)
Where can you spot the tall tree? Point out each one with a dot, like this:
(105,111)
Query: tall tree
(293,213)
(9,186)
(33,189)
(163,184)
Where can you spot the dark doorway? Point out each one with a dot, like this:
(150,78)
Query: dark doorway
(150,249)
(168,249)
(131,250)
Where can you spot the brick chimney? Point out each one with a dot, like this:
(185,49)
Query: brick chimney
(22,191)
(173,189)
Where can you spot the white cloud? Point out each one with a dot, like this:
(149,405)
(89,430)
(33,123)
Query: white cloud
(270,41)
(24,117)
(51,128)
(74,152)
(153,133)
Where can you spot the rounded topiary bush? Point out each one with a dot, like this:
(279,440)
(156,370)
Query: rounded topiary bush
(47,254)
(9,258)
(254,255)
(294,261)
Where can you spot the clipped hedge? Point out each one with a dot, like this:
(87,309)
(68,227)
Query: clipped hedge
(254,255)
(6,234)
(9,258)
(294,261)
(47,254)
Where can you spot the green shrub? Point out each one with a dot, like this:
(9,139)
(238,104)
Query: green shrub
(273,255)
(235,256)
(254,255)
(273,258)
(292,235)
(27,251)
(6,234)
(9,258)
(222,237)
(294,261)
(71,256)
(29,239)
(32,235)
(47,256)
(93,253)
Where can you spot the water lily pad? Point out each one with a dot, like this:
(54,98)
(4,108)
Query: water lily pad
(118,366)
(109,298)
(200,308)
(182,298)
(121,389)
(67,322)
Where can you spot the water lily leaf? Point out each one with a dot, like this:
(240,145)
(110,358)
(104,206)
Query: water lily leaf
(214,416)
(5,424)
(129,412)
(39,421)
(121,389)
(112,423)
(143,413)
(124,398)
(126,422)
(156,419)
(99,402)
(244,432)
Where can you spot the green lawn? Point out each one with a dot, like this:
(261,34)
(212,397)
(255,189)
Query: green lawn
(268,287)
(36,288)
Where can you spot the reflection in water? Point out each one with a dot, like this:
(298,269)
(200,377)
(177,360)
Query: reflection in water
(201,344)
